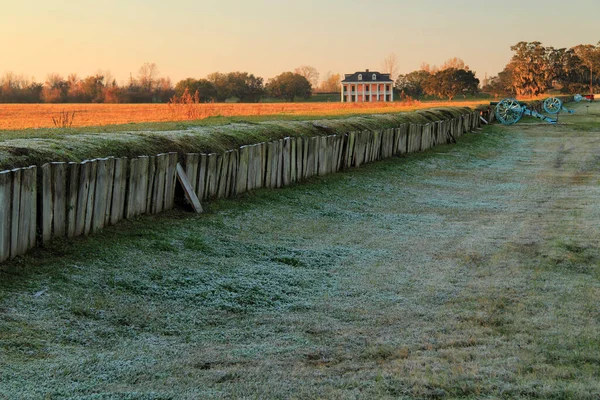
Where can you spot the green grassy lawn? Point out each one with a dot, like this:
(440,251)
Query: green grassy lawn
(469,271)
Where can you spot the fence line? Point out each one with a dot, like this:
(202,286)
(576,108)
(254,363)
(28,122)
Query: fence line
(75,199)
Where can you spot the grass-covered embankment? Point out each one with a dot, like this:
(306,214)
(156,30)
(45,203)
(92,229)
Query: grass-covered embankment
(35,147)
(469,271)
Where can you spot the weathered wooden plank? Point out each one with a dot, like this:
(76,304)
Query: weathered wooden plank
(47,210)
(82,195)
(232,170)
(192,163)
(32,207)
(304,157)
(331,154)
(269,164)
(211,176)
(89,207)
(349,152)
(73,189)
(341,144)
(202,168)
(293,162)
(250,167)
(322,158)
(53,200)
(151,179)
(171,179)
(5,214)
(24,212)
(286,157)
(158,192)
(279,165)
(140,196)
(261,163)
(223,172)
(241,184)
(117,203)
(16,202)
(132,188)
(99,214)
(110,182)
(188,190)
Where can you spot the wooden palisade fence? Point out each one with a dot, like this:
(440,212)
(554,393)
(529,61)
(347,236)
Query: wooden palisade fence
(75,199)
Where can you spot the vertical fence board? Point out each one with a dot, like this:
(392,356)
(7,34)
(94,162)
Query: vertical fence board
(232,170)
(293,160)
(286,158)
(110,180)
(5,213)
(99,214)
(192,162)
(223,165)
(279,163)
(171,178)
(158,191)
(89,206)
(59,198)
(132,188)
(82,195)
(73,189)
(16,201)
(211,176)
(115,211)
(141,196)
(241,184)
(46,200)
(201,185)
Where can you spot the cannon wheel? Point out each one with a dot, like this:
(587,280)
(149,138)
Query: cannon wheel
(552,105)
(509,111)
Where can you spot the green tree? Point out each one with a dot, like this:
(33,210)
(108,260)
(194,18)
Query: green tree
(590,57)
(206,90)
(413,83)
(450,82)
(288,86)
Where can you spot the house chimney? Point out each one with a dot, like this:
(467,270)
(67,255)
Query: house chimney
(367,70)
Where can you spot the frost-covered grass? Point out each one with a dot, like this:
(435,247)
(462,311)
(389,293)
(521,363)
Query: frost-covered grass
(470,271)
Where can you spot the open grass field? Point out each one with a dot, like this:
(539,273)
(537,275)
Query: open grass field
(24,116)
(470,271)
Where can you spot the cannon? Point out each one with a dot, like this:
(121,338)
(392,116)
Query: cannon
(510,111)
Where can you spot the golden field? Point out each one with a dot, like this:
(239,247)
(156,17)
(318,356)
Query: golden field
(24,116)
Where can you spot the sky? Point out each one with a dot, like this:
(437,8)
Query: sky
(192,38)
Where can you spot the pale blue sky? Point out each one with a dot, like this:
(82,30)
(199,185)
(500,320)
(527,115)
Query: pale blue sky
(192,38)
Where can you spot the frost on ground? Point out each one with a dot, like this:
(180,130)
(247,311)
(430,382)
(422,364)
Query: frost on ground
(470,271)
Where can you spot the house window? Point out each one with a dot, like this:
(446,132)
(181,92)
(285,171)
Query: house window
(374,77)
(367,88)
(360,77)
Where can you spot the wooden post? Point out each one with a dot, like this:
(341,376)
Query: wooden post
(151,182)
(132,188)
(230,190)
(293,159)
(158,193)
(141,193)
(170,179)
(16,202)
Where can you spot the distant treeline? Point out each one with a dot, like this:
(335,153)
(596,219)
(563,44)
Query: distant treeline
(149,87)
(533,69)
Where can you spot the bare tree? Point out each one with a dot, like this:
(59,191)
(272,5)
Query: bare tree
(148,75)
(390,65)
(455,63)
(310,73)
(432,69)
(331,83)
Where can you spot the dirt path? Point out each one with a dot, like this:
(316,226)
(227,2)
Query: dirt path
(468,271)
